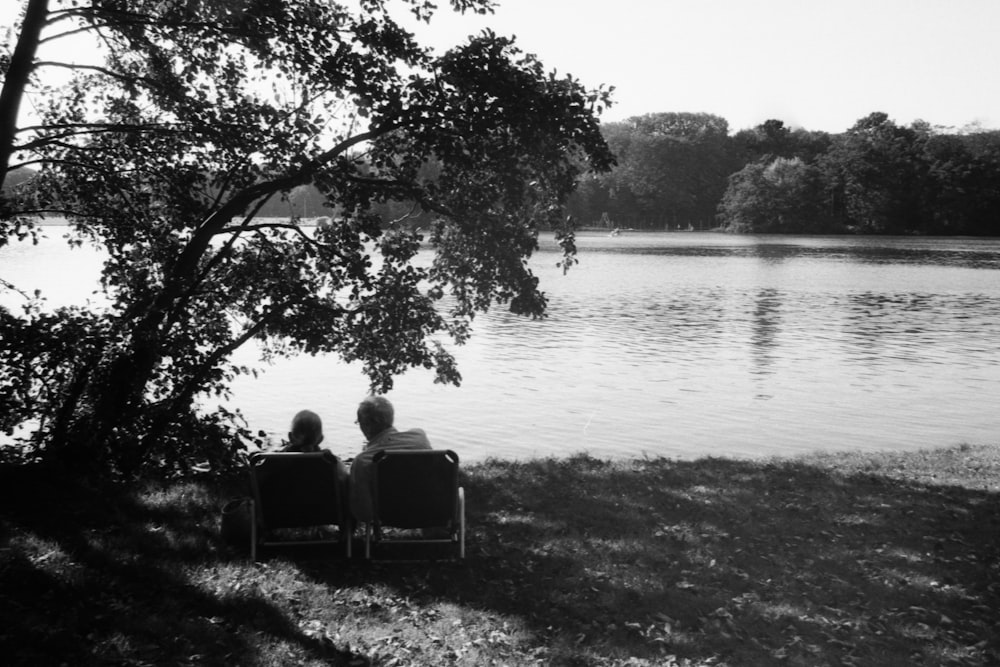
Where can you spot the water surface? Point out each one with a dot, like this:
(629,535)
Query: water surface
(693,344)
(684,345)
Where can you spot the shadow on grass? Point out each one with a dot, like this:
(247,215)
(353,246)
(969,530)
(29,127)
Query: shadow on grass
(864,560)
(746,562)
(104,577)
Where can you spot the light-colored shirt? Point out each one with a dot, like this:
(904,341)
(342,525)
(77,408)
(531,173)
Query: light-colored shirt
(361,476)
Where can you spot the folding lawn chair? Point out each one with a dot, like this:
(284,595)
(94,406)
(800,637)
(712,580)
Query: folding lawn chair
(417,489)
(297,490)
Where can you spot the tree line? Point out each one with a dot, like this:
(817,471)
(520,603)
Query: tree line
(685,171)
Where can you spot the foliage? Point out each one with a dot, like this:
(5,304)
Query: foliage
(201,114)
(876,177)
(773,196)
(682,170)
(964,175)
(839,559)
(774,138)
(672,169)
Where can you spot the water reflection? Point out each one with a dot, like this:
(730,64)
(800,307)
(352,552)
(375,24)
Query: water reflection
(766,324)
(973,253)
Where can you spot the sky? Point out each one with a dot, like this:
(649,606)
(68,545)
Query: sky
(816,65)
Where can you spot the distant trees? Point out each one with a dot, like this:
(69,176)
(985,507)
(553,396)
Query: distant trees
(875,177)
(774,195)
(683,170)
(672,170)
(883,178)
(963,172)
(774,138)
(780,188)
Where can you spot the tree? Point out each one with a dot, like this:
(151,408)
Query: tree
(774,138)
(963,196)
(203,112)
(17,68)
(875,176)
(773,196)
(674,165)
(771,137)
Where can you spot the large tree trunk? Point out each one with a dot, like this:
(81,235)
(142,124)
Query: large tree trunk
(21,64)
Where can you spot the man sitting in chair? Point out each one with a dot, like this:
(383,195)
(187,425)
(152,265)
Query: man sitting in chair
(375,417)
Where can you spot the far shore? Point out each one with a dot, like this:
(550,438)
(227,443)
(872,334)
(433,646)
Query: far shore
(604,231)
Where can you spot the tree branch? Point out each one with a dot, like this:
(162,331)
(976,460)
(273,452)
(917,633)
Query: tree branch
(211,264)
(13,288)
(93,129)
(405,215)
(68,33)
(275,225)
(54,211)
(185,395)
(71,163)
(99,69)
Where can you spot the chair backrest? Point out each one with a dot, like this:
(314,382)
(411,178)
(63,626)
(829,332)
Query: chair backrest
(415,488)
(294,489)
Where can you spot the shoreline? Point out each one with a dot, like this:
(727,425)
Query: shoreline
(603,231)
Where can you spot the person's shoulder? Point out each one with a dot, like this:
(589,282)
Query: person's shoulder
(409,439)
(362,460)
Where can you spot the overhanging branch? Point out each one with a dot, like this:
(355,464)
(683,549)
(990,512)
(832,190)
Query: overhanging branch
(98,69)
(275,225)
(87,129)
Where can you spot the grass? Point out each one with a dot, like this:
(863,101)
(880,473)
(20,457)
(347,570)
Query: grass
(836,559)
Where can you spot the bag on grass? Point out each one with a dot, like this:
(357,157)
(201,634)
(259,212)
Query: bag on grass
(235,523)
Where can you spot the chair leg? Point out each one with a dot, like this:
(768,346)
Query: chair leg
(253,532)
(461,523)
(368,541)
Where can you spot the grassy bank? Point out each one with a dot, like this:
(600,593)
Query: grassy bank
(847,559)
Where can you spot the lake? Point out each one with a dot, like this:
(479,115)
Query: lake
(680,345)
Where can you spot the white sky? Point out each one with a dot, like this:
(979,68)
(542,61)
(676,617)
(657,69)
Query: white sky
(821,65)
(818,65)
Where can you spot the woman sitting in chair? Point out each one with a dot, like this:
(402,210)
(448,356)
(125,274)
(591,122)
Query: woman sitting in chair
(306,433)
